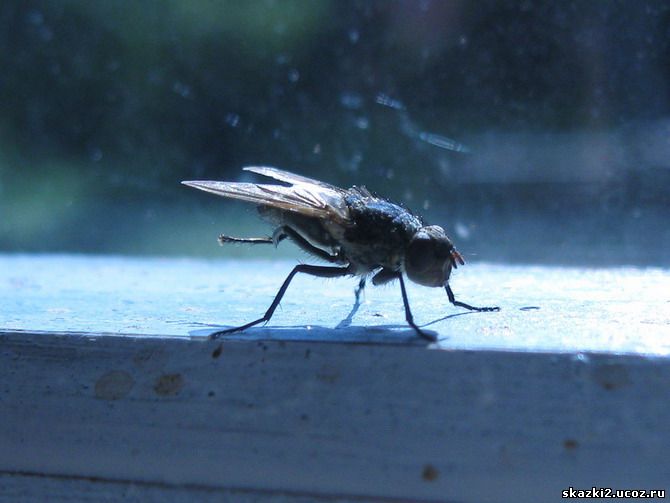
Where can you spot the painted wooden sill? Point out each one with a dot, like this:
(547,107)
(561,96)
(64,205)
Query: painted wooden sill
(109,387)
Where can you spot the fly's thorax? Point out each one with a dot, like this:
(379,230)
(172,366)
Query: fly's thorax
(378,232)
(430,256)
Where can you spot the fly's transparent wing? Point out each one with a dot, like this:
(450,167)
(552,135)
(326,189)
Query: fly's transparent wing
(305,198)
(288,177)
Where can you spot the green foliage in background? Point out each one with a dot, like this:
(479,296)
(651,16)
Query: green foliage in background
(107,105)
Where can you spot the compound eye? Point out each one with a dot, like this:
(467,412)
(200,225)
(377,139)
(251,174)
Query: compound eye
(422,264)
(421,252)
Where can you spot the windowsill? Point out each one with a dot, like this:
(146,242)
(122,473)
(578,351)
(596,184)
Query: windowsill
(109,385)
(543,309)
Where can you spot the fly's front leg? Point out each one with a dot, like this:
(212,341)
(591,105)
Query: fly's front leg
(408,312)
(455,302)
(312,270)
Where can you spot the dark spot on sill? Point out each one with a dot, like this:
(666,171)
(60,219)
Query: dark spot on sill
(169,384)
(429,473)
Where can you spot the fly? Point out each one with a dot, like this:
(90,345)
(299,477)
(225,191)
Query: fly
(358,232)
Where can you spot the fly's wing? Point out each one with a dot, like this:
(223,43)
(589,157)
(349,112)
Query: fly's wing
(308,199)
(288,177)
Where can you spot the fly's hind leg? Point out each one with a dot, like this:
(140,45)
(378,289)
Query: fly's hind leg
(312,270)
(275,239)
(279,235)
(309,247)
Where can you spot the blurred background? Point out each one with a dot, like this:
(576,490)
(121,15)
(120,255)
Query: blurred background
(533,131)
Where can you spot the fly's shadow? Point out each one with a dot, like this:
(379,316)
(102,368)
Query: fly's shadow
(379,334)
(346,322)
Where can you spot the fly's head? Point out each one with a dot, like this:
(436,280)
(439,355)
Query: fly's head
(431,256)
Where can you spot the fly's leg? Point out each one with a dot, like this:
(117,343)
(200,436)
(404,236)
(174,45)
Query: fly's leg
(309,247)
(223,239)
(455,302)
(312,270)
(347,321)
(279,235)
(359,291)
(408,312)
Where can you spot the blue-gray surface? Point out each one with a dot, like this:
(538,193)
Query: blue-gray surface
(550,309)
